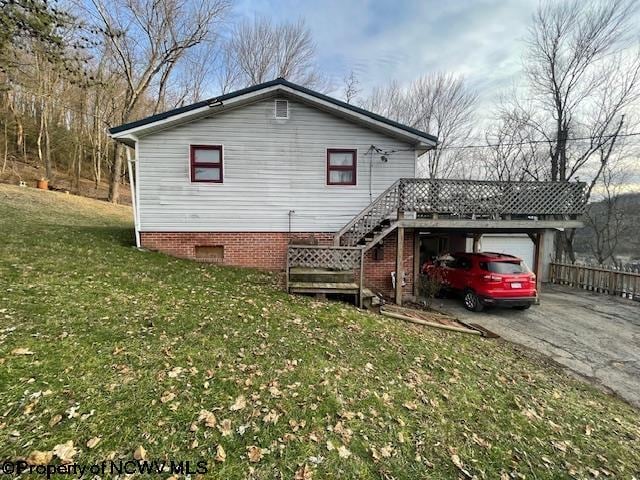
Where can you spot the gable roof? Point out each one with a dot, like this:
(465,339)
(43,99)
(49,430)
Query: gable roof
(204,107)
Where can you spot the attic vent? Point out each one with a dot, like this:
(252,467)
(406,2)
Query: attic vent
(282,109)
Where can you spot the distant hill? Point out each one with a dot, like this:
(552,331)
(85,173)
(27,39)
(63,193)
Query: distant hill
(629,242)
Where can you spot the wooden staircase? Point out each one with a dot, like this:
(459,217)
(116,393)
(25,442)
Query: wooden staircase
(375,222)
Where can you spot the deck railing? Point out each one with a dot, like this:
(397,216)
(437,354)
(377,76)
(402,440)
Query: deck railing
(622,283)
(470,199)
(467,198)
(322,256)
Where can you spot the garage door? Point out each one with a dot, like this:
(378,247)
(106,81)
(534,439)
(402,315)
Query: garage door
(518,245)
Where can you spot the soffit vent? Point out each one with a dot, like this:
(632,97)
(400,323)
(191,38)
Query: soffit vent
(282,108)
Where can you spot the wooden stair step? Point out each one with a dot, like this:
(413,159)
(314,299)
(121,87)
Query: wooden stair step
(317,271)
(323,287)
(320,275)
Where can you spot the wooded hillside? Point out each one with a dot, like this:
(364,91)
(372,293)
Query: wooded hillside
(625,227)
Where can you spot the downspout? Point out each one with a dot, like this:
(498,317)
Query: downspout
(134,191)
(371,174)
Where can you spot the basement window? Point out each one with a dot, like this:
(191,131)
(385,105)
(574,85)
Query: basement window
(341,166)
(210,253)
(281,109)
(206,163)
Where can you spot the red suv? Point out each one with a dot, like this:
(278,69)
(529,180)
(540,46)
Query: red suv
(485,279)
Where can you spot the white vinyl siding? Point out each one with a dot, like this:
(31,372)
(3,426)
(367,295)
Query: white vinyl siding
(270,168)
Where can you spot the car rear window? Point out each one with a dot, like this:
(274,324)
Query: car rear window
(504,267)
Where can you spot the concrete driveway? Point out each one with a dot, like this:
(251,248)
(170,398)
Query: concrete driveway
(594,335)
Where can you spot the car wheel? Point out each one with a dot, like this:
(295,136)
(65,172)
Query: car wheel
(472,302)
(523,307)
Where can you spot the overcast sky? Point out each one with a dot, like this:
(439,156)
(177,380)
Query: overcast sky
(402,39)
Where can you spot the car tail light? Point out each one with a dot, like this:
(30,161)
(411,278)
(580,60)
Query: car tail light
(491,278)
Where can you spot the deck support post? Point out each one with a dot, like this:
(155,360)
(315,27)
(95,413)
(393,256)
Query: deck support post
(539,259)
(476,242)
(399,263)
(287,270)
(361,279)
(416,263)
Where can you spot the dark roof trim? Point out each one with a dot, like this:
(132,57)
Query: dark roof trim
(255,88)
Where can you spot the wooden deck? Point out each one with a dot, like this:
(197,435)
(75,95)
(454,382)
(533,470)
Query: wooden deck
(463,205)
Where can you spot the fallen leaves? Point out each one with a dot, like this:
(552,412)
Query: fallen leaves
(221,455)
(65,451)
(208,417)
(271,417)
(167,396)
(274,391)
(93,442)
(39,458)
(304,473)
(480,441)
(140,453)
(21,351)
(343,452)
(225,427)
(387,451)
(254,453)
(28,409)
(239,404)
(410,405)
(560,445)
(455,459)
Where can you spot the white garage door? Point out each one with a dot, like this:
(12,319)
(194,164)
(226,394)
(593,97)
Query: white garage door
(518,245)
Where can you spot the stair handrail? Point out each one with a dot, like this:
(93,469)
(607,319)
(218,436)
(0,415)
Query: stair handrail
(395,185)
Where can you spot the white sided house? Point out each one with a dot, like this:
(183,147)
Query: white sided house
(279,177)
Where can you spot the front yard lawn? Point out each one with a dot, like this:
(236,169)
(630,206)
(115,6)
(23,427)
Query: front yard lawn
(125,352)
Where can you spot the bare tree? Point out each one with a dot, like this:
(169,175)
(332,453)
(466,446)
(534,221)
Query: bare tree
(260,50)
(512,151)
(147,40)
(441,104)
(351,87)
(582,78)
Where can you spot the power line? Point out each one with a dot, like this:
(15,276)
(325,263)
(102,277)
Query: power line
(533,142)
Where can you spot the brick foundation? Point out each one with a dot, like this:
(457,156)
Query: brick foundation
(267,251)
(263,250)
(377,273)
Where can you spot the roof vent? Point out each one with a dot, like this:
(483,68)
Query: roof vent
(282,109)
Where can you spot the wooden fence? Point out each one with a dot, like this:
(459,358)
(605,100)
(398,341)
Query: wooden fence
(621,283)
